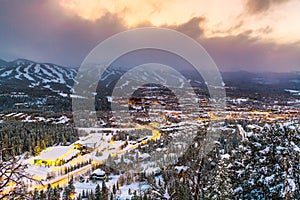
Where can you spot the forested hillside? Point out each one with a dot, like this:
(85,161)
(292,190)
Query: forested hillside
(20,137)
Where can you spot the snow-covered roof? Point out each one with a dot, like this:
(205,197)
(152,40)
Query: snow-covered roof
(99,172)
(58,152)
(181,167)
(144,156)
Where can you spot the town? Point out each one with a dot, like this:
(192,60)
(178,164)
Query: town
(107,154)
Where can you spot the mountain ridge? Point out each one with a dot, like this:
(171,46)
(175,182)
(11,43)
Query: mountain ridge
(27,74)
(23,74)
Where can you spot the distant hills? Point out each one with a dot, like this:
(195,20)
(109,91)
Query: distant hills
(35,78)
(262,83)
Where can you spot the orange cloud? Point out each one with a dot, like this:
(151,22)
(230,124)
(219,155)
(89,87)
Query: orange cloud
(229,19)
(133,11)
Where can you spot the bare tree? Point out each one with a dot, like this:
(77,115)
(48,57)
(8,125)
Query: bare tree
(13,177)
(161,191)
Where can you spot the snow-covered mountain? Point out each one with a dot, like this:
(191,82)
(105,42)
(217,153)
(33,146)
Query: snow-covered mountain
(35,78)
(27,75)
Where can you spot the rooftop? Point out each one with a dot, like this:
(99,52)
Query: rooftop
(58,152)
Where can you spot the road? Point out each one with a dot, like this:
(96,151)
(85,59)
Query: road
(63,180)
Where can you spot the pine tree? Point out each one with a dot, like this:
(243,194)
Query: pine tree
(110,161)
(219,187)
(91,195)
(43,145)
(145,196)
(66,194)
(49,193)
(56,193)
(265,166)
(104,191)
(122,163)
(42,195)
(135,196)
(71,186)
(36,194)
(114,189)
(98,194)
(83,194)
(69,190)
(79,197)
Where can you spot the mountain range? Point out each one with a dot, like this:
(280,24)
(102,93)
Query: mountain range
(35,78)
(27,76)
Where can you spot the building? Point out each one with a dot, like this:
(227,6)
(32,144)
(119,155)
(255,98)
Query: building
(98,174)
(57,155)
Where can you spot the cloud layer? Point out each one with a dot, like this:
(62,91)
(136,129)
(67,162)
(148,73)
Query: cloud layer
(44,31)
(259,6)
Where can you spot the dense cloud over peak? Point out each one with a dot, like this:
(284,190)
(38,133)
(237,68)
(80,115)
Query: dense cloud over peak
(46,33)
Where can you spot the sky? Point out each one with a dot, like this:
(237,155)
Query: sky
(251,35)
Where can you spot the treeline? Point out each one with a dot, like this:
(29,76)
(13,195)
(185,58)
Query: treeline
(21,137)
(25,102)
(77,166)
(68,193)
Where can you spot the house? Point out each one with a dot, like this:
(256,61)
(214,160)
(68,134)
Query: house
(98,174)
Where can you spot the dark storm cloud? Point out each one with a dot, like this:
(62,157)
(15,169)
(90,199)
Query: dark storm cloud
(259,6)
(191,28)
(241,52)
(41,31)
